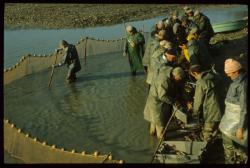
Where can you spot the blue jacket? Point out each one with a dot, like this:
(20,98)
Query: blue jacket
(237,94)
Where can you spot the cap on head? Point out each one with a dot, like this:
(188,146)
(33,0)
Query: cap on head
(178,72)
(63,43)
(196,13)
(184,19)
(185,8)
(167,22)
(231,65)
(195,68)
(170,51)
(189,10)
(162,33)
(129,28)
(160,24)
(175,27)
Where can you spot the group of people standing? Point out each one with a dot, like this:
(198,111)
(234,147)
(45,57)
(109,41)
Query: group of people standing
(178,49)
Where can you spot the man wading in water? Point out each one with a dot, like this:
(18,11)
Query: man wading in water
(70,58)
(134,49)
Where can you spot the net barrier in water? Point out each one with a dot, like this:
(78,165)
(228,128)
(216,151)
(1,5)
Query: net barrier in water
(21,145)
(29,149)
(30,64)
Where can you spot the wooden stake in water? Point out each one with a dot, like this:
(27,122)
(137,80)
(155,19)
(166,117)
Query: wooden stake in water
(85,52)
(52,72)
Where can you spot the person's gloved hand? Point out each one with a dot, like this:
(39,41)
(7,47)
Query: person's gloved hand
(239,133)
(189,106)
(177,104)
(58,49)
(54,66)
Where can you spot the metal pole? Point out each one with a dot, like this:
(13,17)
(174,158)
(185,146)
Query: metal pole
(165,129)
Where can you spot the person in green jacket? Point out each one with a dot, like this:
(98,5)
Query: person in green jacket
(134,49)
(197,50)
(208,101)
(152,44)
(160,25)
(162,93)
(157,44)
(234,122)
(164,44)
(206,31)
(189,12)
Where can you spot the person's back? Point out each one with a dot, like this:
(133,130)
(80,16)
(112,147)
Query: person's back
(151,46)
(152,63)
(208,103)
(160,81)
(160,97)
(205,28)
(212,101)
(72,56)
(199,54)
(172,21)
(170,35)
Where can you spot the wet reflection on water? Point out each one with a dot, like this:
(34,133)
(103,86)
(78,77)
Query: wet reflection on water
(102,111)
(21,42)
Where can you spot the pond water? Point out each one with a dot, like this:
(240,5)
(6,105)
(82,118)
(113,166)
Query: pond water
(102,111)
(35,41)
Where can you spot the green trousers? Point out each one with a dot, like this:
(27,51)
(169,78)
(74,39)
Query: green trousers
(233,152)
(210,131)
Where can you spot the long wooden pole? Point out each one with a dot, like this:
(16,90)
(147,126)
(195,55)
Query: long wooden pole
(124,27)
(165,129)
(85,52)
(52,72)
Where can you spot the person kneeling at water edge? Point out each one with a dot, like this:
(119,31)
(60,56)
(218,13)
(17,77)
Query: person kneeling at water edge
(70,58)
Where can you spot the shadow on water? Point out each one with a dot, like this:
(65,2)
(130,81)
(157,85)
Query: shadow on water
(102,110)
(108,76)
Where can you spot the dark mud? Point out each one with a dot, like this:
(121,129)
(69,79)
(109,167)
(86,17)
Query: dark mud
(58,16)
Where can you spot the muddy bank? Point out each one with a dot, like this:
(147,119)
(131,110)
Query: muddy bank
(58,16)
(230,45)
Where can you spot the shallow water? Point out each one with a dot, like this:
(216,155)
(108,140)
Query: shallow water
(102,111)
(35,41)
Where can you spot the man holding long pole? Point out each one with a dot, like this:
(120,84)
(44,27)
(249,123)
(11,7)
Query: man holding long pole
(70,58)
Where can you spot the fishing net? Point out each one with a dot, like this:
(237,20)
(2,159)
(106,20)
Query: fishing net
(29,149)
(30,64)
